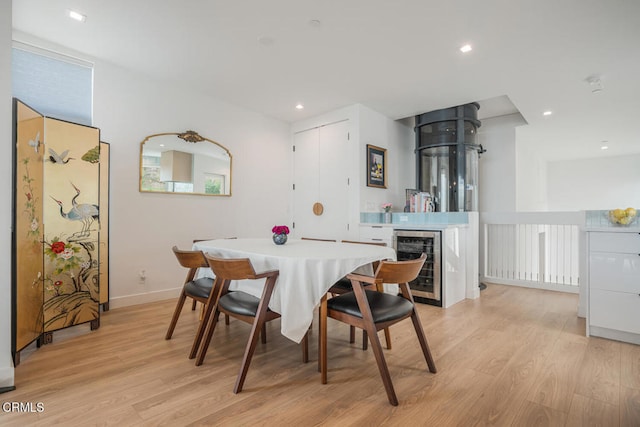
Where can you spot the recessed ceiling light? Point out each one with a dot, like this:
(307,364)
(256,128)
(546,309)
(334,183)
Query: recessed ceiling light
(77,16)
(547,113)
(299,106)
(466,48)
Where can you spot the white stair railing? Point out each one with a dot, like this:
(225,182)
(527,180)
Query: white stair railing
(531,249)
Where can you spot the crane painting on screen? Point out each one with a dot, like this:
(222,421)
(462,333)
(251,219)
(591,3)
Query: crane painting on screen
(86,213)
(59,158)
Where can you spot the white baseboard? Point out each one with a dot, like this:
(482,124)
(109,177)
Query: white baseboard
(128,300)
(529,284)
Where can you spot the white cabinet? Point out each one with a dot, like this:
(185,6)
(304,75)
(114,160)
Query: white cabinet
(377,233)
(614,285)
(321,169)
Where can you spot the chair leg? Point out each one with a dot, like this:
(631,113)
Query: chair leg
(226,319)
(176,315)
(352,334)
(204,322)
(248,354)
(213,320)
(423,342)
(193,305)
(322,358)
(258,325)
(376,347)
(305,348)
(372,332)
(263,333)
(319,335)
(387,338)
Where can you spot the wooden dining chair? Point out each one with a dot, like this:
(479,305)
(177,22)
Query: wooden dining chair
(343,286)
(372,310)
(242,306)
(199,290)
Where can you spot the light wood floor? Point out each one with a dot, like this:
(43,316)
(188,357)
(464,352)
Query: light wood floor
(513,357)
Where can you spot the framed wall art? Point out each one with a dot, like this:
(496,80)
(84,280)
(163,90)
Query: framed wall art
(376,166)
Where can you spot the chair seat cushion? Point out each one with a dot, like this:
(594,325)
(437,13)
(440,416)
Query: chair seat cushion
(239,302)
(384,307)
(200,288)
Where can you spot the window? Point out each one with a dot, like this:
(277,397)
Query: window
(53,84)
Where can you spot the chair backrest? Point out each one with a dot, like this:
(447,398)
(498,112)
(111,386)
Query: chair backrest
(190,259)
(231,268)
(319,240)
(400,271)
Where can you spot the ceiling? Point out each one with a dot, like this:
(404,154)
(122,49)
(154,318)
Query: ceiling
(399,58)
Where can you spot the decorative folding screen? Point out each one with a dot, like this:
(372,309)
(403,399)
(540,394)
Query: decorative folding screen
(71,217)
(28,296)
(57,248)
(105,162)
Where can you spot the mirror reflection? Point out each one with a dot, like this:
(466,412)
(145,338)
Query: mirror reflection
(184,163)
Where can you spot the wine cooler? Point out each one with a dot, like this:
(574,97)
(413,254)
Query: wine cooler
(411,244)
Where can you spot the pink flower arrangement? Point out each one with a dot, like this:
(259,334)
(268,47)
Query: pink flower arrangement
(386,207)
(280,229)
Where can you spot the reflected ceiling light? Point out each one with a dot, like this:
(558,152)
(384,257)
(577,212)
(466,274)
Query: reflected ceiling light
(466,48)
(77,16)
(299,106)
(604,147)
(547,113)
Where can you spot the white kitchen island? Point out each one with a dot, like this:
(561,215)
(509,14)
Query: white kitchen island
(612,281)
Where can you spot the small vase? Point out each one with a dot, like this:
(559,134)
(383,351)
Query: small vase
(280,239)
(387,217)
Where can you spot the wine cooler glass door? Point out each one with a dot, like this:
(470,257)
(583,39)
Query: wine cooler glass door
(411,244)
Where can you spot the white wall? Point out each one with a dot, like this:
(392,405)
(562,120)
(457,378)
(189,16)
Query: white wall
(531,178)
(598,183)
(6,185)
(144,226)
(399,140)
(497,167)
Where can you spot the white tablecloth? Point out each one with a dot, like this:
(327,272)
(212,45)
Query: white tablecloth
(307,270)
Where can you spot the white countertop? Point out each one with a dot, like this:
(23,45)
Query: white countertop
(614,229)
(402,226)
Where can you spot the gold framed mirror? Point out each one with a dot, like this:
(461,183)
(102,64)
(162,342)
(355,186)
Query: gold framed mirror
(184,163)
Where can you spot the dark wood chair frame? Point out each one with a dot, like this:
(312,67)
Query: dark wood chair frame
(192,260)
(400,272)
(334,290)
(226,270)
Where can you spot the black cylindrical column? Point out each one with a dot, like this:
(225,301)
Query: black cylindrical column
(447,157)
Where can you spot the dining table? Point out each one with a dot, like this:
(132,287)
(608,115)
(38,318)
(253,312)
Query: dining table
(308,268)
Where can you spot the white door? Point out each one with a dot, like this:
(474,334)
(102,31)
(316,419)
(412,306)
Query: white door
(321,176)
